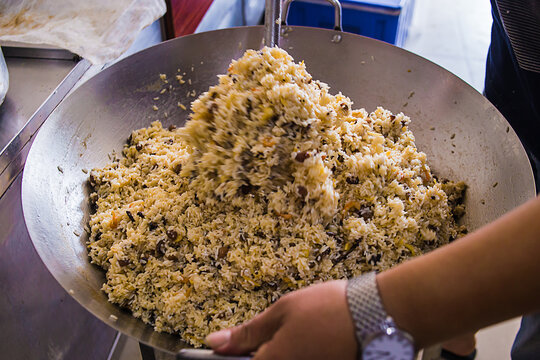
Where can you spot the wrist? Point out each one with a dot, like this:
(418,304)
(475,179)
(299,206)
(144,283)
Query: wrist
(396,305)
(376,332)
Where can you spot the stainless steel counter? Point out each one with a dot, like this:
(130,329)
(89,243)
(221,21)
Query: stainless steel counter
(38,319)
(39,86)
(32,81)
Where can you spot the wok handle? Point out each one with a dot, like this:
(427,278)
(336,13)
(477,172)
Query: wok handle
(272,22)
(337,13)
(200,354)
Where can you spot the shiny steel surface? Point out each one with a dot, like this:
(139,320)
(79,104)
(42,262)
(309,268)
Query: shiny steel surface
(33,51)
(19,106)
(464,136)
(37,87)
(272,22)
(4,77)
(196,354)
(39,319)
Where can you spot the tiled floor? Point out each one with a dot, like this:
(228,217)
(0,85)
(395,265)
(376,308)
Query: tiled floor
(494,343)
(455,34)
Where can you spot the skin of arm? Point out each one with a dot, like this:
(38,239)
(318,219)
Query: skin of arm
(483,278)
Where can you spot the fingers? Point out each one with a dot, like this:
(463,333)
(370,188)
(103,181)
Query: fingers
(286,345)
(281,347)
(266,352)
(247,337)
(462,345)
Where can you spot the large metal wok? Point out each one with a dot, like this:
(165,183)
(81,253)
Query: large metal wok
(464,136)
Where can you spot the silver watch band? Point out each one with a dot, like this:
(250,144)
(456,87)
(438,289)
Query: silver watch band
(365,306)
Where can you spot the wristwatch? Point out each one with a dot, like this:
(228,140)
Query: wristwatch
(378,336)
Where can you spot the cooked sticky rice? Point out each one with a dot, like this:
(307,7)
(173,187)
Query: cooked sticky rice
(273,184)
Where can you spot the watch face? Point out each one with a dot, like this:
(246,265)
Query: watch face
(395,346)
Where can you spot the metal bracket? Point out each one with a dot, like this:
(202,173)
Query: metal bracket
(337,13)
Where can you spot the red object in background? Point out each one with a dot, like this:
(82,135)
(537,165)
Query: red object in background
(183,16)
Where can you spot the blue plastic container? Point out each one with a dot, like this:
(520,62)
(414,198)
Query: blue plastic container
(386,20)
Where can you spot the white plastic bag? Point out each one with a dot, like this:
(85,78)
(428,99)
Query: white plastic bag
(97,30)
(4,78)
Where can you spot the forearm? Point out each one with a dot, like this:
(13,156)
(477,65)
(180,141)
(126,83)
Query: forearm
(486,277)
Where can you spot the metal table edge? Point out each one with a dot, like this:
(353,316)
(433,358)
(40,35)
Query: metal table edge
(13,155)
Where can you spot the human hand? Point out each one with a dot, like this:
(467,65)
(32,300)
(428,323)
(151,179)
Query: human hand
(311,323)
(462,345)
